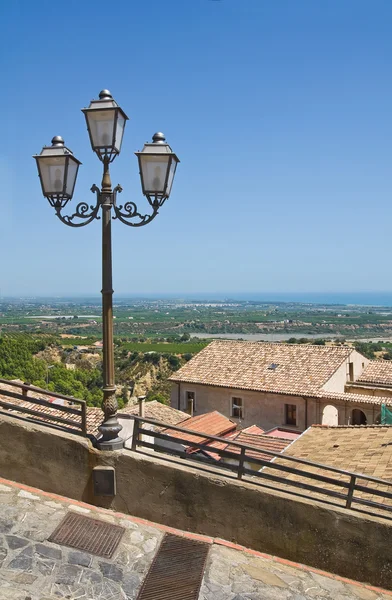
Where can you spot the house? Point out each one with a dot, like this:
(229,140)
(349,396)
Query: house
(283,385)
(375,379)
(255,439)
(283,432)
(151,410)
(94,415)
(212,423)
(366,450)
(47,414)
(215,424)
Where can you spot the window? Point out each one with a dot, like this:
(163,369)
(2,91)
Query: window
(351,371)
(237,408)
(190,397)
(273,366)
(290,414)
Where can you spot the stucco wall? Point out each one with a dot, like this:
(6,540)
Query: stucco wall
(268,410)
(171,492)
(368,391)
(260,408)
(345,411)
(339,379)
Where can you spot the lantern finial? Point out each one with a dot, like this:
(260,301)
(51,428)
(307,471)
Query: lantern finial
(57,141)
(158,138)
(105,95)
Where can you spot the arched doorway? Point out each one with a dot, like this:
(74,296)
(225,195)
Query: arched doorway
(358,417)
(330,415)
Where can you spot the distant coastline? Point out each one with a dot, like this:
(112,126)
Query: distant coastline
(324,298)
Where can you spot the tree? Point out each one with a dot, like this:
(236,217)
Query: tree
(174,362)
(158,397)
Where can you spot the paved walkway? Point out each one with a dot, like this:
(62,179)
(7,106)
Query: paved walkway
(31,568)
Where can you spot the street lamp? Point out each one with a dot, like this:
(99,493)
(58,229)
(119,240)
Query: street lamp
(58,168)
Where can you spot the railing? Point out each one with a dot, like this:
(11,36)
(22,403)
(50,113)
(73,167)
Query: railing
(27,405)
(349,483)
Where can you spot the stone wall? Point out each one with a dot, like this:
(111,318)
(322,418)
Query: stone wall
(170,491)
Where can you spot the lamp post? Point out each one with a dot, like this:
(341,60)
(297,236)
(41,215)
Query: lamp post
(58,168)
(47,372)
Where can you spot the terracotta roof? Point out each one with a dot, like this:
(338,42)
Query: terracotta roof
(259,366)
(362,449)
(356,398)
(212,423)
(259,441)
(254,429)
(377,371)
(282,432)
(94,416)
(157,410)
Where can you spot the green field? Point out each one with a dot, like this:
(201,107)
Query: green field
(171,348)
(77,341)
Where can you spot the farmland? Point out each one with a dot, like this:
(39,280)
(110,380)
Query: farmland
(171,348)
(58,344)
(162,321)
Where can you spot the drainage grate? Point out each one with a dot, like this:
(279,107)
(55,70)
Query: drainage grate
(90,535)
(177,570)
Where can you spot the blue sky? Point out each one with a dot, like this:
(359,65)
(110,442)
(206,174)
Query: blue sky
(280,112)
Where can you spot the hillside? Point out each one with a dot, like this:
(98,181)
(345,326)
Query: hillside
(45,361)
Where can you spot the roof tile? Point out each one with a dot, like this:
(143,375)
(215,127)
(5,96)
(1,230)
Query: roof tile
(362,449)
(247,365)
(212,423)
(156,410)
(377,371)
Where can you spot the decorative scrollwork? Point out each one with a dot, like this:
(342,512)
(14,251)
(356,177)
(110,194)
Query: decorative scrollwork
(84,212)
(130,215)
(127,213)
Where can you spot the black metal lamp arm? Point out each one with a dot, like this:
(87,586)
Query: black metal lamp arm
(84,213)
(129,214)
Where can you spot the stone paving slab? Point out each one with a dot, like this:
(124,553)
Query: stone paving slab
(31,568)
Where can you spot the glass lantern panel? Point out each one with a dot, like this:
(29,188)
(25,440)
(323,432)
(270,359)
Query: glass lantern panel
(172,172)
(119,132)
(154,169)
(52,174)
(71,177)
(101,124)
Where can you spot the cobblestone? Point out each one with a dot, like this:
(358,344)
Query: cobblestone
(234,575)
(31,568)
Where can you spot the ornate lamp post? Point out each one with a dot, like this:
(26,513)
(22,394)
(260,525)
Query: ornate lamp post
(58,168)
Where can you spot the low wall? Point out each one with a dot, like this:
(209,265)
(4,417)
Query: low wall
(170,492)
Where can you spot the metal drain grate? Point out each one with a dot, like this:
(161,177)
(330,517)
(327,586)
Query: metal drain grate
(90,535)
(177,570)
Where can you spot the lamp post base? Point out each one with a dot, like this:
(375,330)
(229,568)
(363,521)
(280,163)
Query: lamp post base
(110,430)
(115,444)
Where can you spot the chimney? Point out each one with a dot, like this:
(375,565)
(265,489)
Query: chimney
(141,400)
(190,406)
